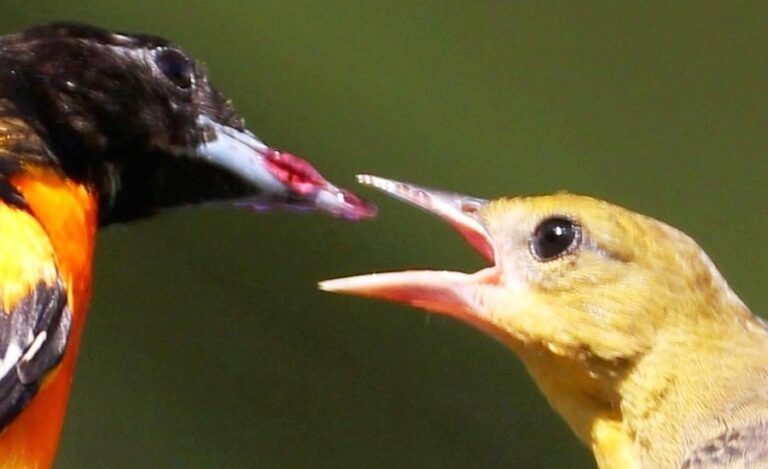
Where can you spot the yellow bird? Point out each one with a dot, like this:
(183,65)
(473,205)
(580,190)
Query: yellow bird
(624,322)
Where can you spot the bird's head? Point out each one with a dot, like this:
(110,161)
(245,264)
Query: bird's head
(581,289)
(576,274)
(136,117)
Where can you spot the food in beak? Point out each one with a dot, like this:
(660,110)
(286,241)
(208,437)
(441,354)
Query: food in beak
(280,180)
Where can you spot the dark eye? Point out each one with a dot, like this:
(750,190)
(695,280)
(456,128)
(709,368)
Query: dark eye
(555,237)
(176,67)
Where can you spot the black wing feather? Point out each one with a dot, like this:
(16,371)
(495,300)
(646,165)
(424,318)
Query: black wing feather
(36,335)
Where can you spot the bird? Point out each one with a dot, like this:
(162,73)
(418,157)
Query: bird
(98,128)
(624,323)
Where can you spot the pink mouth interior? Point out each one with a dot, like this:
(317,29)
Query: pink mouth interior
(477,240)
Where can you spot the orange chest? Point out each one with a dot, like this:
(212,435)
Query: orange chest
(67,212)
(67,217)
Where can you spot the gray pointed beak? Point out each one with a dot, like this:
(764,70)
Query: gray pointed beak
(461,211)
(278,180)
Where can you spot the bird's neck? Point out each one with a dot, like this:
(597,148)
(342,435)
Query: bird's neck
(583,390)
(649,411)
(691,388)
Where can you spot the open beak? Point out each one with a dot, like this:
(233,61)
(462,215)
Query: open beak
(276,180)
(455,294)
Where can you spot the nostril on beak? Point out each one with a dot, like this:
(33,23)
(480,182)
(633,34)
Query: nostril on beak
(471,207)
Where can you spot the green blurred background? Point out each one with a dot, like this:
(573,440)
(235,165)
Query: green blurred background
(208,344)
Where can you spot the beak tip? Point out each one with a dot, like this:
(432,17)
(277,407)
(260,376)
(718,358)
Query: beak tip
(354,207)
(331,286)
(369,180)
(383,184)
(359,285)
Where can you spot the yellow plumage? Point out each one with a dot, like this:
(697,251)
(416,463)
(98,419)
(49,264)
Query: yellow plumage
(631,332)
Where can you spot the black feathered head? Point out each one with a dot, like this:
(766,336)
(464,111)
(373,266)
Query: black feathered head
(137,118)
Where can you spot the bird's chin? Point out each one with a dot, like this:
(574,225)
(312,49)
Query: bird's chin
(457,294)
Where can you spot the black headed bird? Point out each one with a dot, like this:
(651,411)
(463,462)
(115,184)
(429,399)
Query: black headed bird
(98,127)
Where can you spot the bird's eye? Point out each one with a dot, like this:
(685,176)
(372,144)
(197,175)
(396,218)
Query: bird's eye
(555,237)
(176,67)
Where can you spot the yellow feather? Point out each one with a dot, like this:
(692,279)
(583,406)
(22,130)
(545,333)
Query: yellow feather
(631,333)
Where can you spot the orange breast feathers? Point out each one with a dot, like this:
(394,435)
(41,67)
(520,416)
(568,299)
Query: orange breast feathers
(53,240)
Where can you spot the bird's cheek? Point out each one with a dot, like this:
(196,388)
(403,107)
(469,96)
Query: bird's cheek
(511,310)
(516,266)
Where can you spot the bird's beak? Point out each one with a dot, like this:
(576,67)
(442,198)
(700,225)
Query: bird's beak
(455,294)
(277,180)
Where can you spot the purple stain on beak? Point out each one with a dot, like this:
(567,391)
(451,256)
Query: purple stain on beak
(348,206)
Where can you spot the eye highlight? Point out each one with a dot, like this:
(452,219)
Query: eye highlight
(554,238)
(176,67)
